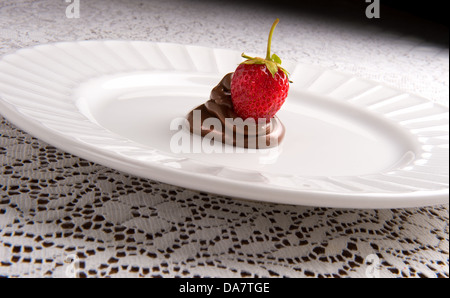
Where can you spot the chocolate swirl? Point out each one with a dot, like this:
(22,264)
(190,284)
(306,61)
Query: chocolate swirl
(233,130)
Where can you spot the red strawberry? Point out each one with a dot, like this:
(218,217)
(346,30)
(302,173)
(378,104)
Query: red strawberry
(259,86)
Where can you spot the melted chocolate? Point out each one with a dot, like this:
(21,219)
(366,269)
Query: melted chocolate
(247,134)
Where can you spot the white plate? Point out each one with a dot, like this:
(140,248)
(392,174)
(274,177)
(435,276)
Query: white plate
(350,142)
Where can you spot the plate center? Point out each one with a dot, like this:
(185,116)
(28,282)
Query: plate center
(324,137)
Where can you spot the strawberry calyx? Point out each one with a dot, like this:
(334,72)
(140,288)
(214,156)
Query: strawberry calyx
(272,61)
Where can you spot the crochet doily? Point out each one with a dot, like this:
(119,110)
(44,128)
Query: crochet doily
(63,216)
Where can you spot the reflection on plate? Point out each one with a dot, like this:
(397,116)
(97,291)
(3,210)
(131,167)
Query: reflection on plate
(349,142)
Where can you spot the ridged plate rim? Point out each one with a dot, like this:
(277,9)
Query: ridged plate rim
(28,100)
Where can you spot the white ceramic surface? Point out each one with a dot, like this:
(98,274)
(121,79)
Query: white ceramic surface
(349,142)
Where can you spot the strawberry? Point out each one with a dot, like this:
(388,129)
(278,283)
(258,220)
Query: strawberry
(259,87)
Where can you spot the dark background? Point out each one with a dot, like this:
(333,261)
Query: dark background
(432,10)
(435,11)
(427,19)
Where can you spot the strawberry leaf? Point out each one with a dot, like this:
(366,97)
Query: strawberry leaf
(272,67)
(275,59)
(246,56)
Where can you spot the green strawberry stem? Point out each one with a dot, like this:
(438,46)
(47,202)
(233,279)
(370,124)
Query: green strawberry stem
(269,42)
(272,61)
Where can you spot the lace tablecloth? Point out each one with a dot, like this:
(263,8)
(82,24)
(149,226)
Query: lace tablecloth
(62,216)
